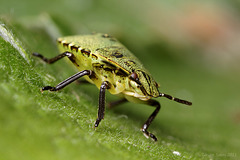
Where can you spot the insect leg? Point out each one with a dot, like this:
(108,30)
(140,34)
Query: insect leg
(54,59)
(150,119)
(101,105)
(68,81)
(115,103)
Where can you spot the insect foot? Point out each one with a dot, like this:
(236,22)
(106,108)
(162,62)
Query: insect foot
(148,134)
(97,122)
(48,88)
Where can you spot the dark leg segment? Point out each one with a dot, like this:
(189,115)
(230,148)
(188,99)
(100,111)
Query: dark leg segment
(150,119)
(68,81)
(101,105)
(52,60)
(115,103)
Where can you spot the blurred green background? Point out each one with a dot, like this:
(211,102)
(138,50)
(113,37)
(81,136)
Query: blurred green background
(191,48)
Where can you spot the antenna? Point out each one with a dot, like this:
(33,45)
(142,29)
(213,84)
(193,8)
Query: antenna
(175,99)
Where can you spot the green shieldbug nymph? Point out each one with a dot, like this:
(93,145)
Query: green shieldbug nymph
(105,62)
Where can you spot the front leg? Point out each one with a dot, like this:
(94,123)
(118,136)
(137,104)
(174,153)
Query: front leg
(101,105)
(150,119)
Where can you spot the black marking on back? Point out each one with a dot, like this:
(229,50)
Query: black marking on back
(117,55)
(74,48)
(132,61)
(86,52)
(66,44)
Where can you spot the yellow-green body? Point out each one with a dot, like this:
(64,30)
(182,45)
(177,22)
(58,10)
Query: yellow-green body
(112,62)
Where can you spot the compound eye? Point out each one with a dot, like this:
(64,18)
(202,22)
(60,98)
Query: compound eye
(134,76)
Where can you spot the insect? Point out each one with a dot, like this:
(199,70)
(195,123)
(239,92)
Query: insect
(105,62)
